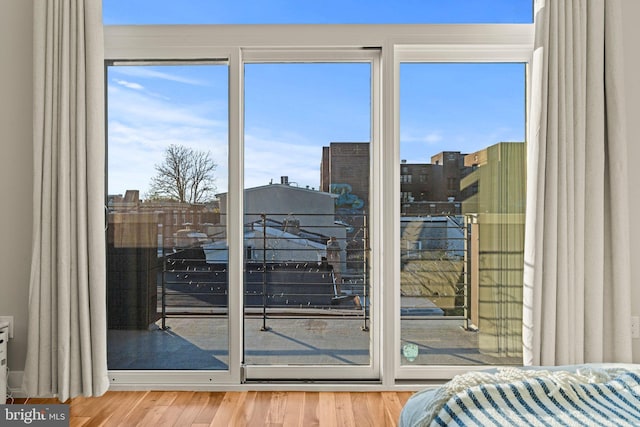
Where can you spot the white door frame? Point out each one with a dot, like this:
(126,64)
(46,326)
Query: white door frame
(370,371)
(422,53)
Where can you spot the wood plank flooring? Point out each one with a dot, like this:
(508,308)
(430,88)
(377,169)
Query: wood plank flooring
(246,408)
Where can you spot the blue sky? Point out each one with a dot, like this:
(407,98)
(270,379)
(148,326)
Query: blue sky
(459,107)
(316,12)
(292,110)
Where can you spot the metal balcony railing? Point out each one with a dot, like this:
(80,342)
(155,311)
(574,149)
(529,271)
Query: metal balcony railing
(309,265)
(295,265)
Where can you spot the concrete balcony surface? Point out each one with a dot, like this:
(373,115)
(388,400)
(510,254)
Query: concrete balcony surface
(201,343)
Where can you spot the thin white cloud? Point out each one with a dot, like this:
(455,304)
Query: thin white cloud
(506,134)
(130,85)
(145,72)
(135,150)
(418,146)
(138,107)
(430,138)
(142,126)
(285,154)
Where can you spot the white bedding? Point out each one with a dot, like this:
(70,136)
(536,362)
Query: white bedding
(597,394)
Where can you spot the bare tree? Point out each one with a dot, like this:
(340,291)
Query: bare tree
(185,175)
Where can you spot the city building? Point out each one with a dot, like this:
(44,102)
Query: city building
(434,188)
(496,216)
(345,171)
(297,221)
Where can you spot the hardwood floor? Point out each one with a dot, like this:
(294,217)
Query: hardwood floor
(247,408)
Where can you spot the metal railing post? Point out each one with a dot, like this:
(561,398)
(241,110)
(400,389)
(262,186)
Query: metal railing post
(264,273)
(365,262)
(164,289)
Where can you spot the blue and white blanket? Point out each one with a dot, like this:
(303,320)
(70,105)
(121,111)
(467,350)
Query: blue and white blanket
(515,397)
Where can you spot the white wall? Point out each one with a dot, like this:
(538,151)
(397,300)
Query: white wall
(16,160)
(631,13)
(16,27)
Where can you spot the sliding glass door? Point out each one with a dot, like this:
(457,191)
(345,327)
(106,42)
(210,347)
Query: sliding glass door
(307,191)
(345,208)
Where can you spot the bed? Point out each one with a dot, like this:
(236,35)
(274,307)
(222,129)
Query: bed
(579,395)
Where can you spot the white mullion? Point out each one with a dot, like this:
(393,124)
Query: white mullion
(308,55)
(235,214)
(376,217)
(391,215)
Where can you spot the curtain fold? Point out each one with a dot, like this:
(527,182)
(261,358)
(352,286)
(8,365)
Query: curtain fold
(577,290)
(66,343)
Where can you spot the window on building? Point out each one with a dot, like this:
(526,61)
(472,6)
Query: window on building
(405,179)
(452,184)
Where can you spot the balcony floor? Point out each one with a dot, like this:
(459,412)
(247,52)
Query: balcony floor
(201,343)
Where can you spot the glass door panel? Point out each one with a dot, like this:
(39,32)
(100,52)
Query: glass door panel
(167,160)
(462,199)
(306,210)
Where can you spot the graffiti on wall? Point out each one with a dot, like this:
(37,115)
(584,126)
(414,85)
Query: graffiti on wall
(346,199)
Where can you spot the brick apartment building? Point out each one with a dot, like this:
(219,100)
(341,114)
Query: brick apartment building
(345,170)
(425,189)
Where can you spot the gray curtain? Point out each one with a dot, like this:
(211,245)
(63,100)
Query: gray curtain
(66,349)
(577,289)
